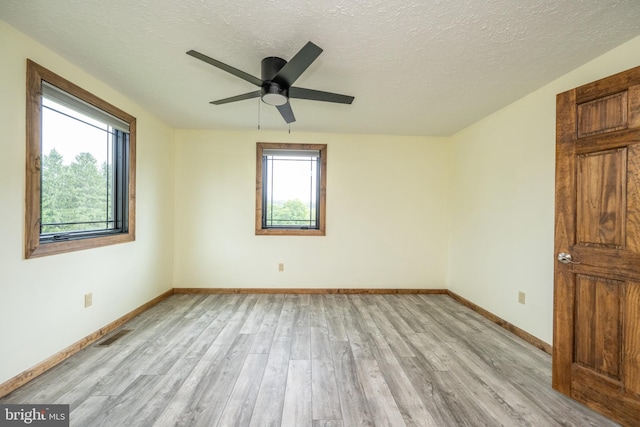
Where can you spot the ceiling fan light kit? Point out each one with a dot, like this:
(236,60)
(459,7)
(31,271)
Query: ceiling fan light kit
(274,95)
(276,84)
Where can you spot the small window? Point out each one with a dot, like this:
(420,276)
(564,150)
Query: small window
(291,189)
(80,168)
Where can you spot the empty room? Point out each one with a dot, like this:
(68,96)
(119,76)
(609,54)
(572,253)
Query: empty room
(336,213)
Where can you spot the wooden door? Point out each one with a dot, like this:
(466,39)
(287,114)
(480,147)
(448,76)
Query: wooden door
(596,342)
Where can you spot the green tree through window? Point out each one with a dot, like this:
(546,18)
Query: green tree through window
(291,212)
(75,196)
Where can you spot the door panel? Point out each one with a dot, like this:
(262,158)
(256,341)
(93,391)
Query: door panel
(598,326)
(601,204)
(632,240)
(602,115)
(632,338)
(596,351)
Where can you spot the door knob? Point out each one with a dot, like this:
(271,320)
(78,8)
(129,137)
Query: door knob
(565,258)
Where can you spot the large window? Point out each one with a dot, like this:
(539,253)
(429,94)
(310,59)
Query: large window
(80,168)
(291,189)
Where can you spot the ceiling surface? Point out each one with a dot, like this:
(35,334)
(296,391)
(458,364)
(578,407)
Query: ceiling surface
(415,67)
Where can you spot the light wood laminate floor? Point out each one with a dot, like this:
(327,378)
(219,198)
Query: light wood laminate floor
(309,360)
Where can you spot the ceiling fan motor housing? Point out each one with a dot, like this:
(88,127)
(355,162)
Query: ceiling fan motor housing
(273,93)
(270,67)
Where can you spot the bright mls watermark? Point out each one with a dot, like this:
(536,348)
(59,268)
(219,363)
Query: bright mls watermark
(34,415)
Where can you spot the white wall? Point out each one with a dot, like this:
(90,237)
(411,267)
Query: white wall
(387,214)
(503,171)
(42,300)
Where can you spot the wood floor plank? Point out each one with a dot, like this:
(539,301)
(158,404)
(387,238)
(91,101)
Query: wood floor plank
(357,332)
(413,410)
(396,319)
(216,391)
(423,383)
(84,413)
(301,334)
(320,343)
(182,406)
(327,423)
(411,310)
(382,352)
(233,327)
(324,391)
(360,306)
(121,411)
(296,411)
(434,355)
(353,402)
(270,400)
(317,360)
(383,406)
(383,304)
(446,317)
(239,407)
(254,318)
(390,333)
(174,344)
(320,338)
(284,329)
(304,300)
(264,335)
(335,323)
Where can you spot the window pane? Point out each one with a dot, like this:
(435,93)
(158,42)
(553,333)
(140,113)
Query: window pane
(77,171)
(291,191)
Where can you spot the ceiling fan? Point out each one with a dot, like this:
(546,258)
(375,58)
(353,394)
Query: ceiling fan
(277,79)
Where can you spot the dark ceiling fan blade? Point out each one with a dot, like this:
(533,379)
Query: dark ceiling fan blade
(286,112)
(318,95)
(229,69)
(300,62)
(254,94)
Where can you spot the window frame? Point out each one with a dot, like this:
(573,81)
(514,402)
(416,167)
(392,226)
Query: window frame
(34,245)
(283,230)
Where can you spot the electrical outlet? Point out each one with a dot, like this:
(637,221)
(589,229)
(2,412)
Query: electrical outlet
(281,266)
(521,296)
(88,300)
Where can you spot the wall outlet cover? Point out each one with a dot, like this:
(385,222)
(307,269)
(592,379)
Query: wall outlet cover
(521,297)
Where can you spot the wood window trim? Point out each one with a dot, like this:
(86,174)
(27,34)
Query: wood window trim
(32,246)
(320,231)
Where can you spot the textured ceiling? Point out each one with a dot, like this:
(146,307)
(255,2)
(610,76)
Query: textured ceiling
(427,67)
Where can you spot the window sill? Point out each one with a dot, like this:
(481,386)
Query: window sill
(288,232)
(53,248)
